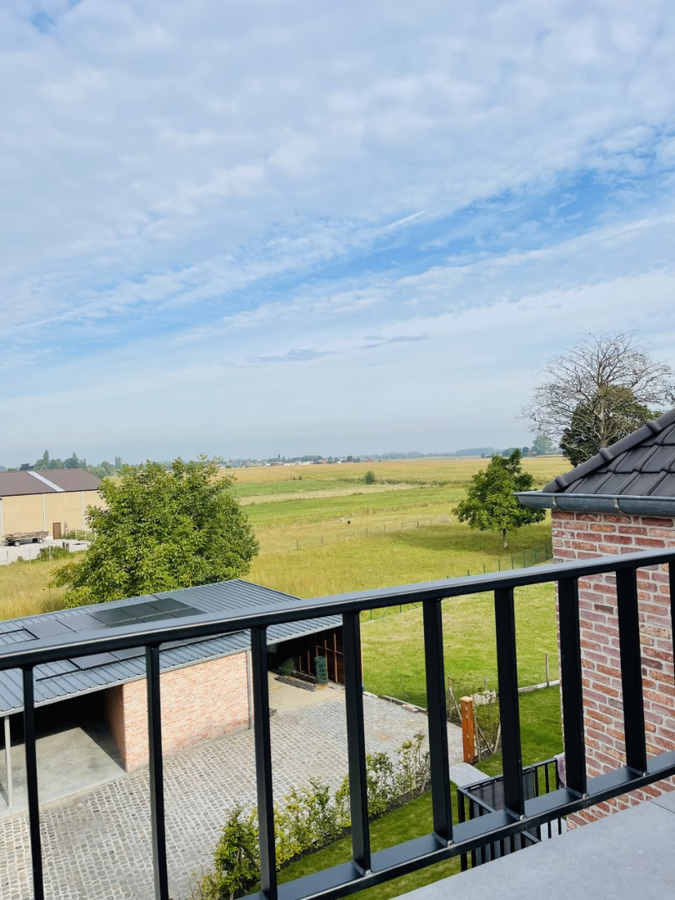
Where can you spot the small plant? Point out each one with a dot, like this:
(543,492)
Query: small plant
(309,818)
(54,553)
(370,477)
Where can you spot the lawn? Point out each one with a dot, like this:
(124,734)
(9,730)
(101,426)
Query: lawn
(393,650)
(541,739)
(401,556)
(403,824)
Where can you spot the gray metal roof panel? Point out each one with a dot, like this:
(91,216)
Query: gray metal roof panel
(70,680)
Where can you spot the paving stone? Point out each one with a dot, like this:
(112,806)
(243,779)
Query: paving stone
(98,846)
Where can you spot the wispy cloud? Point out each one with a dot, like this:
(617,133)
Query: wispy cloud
(263,183)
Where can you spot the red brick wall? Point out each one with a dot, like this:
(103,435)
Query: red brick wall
(198,702)
(586,535)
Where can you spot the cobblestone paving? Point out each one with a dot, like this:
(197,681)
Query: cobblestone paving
(97,845)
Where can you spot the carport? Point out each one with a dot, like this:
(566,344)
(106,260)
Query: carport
(205,683)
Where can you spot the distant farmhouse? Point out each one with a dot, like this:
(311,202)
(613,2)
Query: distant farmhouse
(620,501)
(54,501)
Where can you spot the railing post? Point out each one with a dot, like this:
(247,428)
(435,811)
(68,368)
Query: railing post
(32,783)
(356,741)
(263,763)
(631,669)
(438,719)
(509,711)
(571,677)
(156,773)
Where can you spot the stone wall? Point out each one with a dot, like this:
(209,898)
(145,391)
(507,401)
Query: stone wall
(199,702)
(578,536)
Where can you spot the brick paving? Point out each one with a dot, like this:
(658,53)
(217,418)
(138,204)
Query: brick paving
(97,845)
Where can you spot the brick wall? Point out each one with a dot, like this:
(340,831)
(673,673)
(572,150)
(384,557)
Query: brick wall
(198,702)
(587,535)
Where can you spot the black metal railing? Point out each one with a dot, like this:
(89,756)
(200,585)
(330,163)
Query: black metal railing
(487,796)
(366,869)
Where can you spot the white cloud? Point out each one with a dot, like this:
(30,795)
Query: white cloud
(273,182)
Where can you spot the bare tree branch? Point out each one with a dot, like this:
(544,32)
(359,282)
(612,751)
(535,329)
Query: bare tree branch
(574,383)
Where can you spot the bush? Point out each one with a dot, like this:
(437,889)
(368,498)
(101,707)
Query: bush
(54,553)
(310,818)
(370,477)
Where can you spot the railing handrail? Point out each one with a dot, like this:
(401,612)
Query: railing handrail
(50,649)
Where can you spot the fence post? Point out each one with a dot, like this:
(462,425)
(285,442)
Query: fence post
(468,732)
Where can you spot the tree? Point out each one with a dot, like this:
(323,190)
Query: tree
(161,530)
(542,446)
(490,504)
(600,384)
(370,477)
(620,413)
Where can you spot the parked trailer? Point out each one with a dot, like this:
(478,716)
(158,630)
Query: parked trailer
(25,537)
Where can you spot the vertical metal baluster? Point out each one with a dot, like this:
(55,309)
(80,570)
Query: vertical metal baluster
(32,783)
(509,711)
(461,817)
(441,798)
(572,692)
(156,773)
(356,740)
(263,763)
(631,669)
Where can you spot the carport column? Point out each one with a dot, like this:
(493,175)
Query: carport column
(8,764)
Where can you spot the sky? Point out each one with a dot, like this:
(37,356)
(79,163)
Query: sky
(260,227)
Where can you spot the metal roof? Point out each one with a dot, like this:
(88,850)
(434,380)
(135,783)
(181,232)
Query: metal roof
(80,675)
(636,475)
(47,481)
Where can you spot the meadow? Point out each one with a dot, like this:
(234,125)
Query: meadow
(323,531)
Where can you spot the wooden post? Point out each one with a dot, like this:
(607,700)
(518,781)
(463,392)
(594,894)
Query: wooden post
(468,733)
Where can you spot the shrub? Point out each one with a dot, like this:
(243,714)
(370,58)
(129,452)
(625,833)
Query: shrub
(370,477)
(54,553)
(309,818)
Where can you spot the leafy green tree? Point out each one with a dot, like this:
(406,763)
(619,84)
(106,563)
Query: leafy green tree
(161,530)
(490,504)
(612,414)
(542,445)
(370,477)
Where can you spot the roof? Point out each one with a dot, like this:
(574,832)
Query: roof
(84,674)
(47,481)
(635,475)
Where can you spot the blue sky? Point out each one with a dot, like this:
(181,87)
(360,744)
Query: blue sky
(261,227)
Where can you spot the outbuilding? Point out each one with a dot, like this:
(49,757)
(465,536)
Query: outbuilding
(53,500)
(205,683)
(620,501)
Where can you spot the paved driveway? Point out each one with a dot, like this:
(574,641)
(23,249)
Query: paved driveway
(97,845)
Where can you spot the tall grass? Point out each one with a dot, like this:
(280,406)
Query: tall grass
(25,590)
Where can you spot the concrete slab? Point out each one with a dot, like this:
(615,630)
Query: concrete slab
(626,855)
(72,757)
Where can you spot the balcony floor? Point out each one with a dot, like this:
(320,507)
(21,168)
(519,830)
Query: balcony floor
(626,855)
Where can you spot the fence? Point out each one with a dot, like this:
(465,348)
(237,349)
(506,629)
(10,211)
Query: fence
(350,534)
(532,557)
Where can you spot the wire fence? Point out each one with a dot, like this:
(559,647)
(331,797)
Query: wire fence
(521,560)
(350,534)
